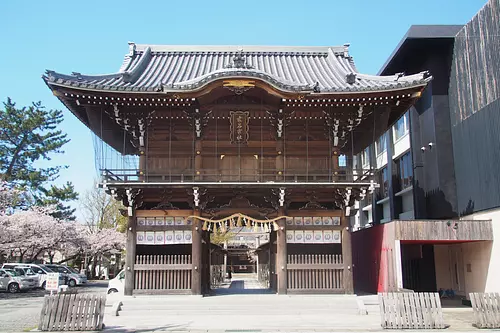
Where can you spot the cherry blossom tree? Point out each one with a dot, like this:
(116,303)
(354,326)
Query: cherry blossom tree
(28,232)
(9,197)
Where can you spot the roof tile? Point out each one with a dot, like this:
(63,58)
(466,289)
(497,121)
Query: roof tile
(181,68)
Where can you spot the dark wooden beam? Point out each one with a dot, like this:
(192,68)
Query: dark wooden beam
(196,255)
(281,253)
(347,254)
(130,256)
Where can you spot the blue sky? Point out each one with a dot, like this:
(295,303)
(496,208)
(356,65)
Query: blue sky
(91,37)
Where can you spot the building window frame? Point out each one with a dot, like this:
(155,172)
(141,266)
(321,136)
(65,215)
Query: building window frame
(381,144)
(402,127)
(365,157)
(405,170)
(384,182)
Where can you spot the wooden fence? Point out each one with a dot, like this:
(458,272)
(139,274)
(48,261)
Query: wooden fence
(154,273)
(486,307)
(315,272)
(411,311)
(72,312)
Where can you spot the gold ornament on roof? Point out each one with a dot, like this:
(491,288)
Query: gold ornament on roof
(238,86)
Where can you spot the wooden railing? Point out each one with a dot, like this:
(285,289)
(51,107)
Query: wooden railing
(342,174)
(315,272)
(162,272)
(263,274)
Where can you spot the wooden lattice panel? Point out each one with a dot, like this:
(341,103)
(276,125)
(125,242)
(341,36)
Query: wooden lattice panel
(411,310)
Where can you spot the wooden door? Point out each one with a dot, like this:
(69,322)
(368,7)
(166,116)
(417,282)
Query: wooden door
(239,168)
(457,269)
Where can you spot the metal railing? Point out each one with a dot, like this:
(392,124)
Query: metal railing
(342,174)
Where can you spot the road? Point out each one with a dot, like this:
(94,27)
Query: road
(20,312)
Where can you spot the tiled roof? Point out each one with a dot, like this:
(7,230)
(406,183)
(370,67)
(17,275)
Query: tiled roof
(164,68)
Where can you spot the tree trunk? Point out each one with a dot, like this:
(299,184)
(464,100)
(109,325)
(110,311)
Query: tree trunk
(67,259)
(94,265)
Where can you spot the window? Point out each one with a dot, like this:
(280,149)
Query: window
(401,127)
(365,156)
(405,171)
(384,182)
(342,161)
(381,144)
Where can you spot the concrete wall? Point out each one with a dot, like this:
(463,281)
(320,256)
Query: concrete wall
(484,257)
(474,266)
(478,264)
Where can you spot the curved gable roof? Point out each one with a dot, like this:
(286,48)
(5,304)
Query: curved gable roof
(164,68)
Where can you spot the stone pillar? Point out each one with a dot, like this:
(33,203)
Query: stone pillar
(198,164)
(347,254)
(196,254)
(281,255)
(130,257)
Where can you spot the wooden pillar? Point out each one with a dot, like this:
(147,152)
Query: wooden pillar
(142,163)
(347,254)
(273,281)
(280,160)
(198,164)
(281,255)
(206,262)
(335,164)
(130,257)
(196,255)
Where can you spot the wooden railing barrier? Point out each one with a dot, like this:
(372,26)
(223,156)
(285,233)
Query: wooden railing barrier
(486,307)
(315,272)
(162,272)
(402,310)
(72,312)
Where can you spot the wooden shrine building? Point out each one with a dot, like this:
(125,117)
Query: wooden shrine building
(219,137)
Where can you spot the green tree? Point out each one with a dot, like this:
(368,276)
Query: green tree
(29,135)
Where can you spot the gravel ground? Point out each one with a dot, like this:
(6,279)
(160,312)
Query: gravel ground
(20,312)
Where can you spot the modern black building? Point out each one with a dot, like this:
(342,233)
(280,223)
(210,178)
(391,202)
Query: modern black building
(432,223)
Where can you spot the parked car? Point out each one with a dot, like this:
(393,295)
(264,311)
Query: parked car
(39,269)
(72,277)
(13,282)
(29,273)
(116,285)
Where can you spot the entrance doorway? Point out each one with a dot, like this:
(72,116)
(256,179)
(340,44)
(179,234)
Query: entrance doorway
(241,261)
(239,253)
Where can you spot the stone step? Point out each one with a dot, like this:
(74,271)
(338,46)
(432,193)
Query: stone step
(240,306)
(251,321)
(228,311)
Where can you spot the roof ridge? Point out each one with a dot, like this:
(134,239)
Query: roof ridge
(239,48)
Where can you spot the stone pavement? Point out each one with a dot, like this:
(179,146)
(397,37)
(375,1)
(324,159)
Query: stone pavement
(242,305)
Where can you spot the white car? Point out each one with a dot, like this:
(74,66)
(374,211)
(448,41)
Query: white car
(116,285)
(28,273)
(11,281)
(39,269)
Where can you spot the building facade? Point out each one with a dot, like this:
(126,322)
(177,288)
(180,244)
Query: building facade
(202,139)
(433,222)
